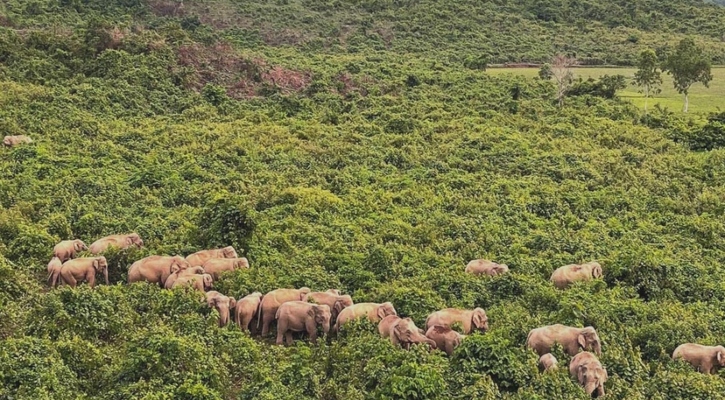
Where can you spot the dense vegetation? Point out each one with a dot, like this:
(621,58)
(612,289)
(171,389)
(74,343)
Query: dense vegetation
(337,158)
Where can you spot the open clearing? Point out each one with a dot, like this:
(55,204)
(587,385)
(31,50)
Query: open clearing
(702,99)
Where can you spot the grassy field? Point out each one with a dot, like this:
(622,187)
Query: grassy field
(702,99)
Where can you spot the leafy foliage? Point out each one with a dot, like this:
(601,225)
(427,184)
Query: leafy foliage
(357,145)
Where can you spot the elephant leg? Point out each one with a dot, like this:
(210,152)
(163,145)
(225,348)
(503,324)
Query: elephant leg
(69,279)
(312,331)
(91,278)
(267,318)
(244,322)
(449,348)
(288,337)
(281,330)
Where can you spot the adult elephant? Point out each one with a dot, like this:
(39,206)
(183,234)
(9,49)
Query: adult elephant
(156,269)
(68,249)
(486,267)
(272,301)
(120,241)
(81,270)
(201,283)
(200,257)
(246,310)
(373,311)
(216,266)
(331,298)
(15,140)
(223,304)
(445,338)
(541,340)
(402,332)
(564,276)
(300,316)
(706,359)
(471,320)
(169,283)
(589,372)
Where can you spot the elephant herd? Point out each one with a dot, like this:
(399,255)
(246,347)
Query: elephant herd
(304,311)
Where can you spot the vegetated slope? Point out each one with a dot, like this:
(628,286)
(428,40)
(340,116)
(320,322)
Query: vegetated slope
(379,174)
(597,32)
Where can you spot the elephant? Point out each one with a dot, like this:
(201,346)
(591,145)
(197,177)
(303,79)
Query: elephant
(548,362)
(445,338)
(68,249)
(471,320)
(201,283)
(300,316)
(402,332)
(588,371)
(706,359)
(374,311)
(486,267)
(246,310)
(155,269)
(121,241)
(54,267)
(541,340)
(271,302)
(568,274)
(80,270)
(12,141)
(200,257)
(221,303)
(332,299)
(216,266)
(169,283)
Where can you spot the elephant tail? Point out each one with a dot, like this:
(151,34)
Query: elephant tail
(259,313)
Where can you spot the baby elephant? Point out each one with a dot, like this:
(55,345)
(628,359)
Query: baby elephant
(472,320)
(12,141)
(588,371)
(201,283)
(54,267)
(548,362)
(300,316)
(568,274)
(445,338)
(221,303)
(486,267)
(706,359)
(68,249)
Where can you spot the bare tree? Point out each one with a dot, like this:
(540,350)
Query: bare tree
(561,71)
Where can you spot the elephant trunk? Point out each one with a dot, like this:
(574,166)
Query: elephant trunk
(105,274)
(223,317)
(326,328)
(598,349)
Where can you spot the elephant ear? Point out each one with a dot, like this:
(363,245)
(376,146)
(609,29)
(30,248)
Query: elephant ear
(338,306)
(212,302)
(311,311)
(381,312)
(719,356)
(581,340)
(232,302)
(580,373)
(597,272)
(96,264)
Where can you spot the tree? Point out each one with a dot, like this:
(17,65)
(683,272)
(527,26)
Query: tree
(688,65)
(647,77)
(561,71)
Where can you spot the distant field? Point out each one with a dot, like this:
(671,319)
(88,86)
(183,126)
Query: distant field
(702,99)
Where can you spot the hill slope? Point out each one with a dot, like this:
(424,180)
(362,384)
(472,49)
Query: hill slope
(335,165)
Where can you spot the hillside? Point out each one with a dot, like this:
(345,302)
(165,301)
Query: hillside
(345,145)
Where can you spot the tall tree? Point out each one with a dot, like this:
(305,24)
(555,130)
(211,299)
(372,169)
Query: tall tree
(561,71)
(688,65)
(648,76)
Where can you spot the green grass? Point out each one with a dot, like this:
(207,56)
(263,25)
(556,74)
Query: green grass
(702,99)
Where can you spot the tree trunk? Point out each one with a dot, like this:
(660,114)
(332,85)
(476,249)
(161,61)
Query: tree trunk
(687,103)
(646,97)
